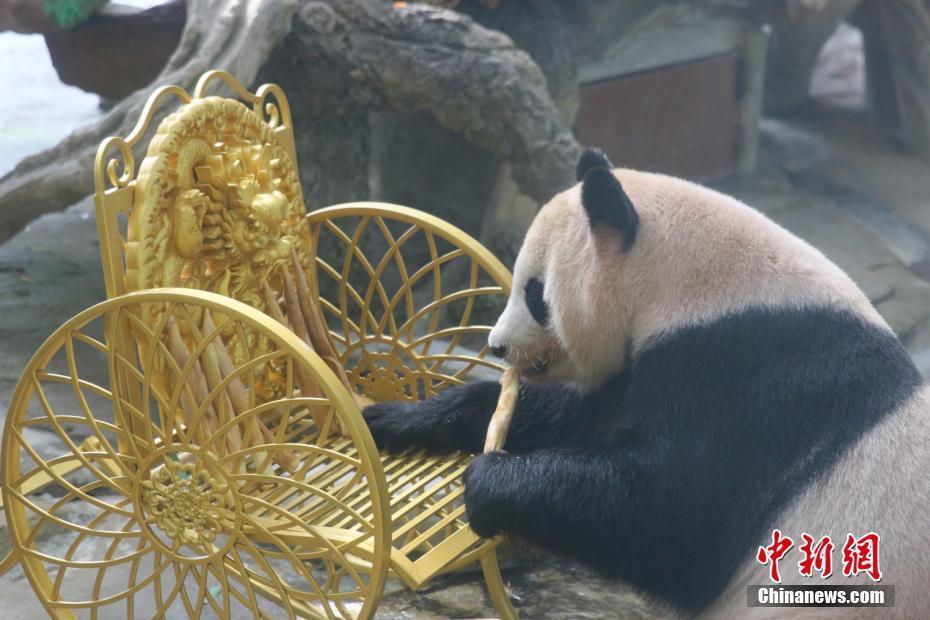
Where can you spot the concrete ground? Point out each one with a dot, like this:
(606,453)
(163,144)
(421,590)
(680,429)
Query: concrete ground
(832,179)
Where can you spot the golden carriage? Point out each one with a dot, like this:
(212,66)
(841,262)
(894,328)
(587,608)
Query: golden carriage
(216,463)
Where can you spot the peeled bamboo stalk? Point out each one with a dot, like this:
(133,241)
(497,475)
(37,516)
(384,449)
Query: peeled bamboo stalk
(255,432)
(506,405)
(195,381)
(179,353)
(235,388)
(271,302)
(234,436)
(211,367)
(316,328)
(308,386)
(292,307)
(320,340)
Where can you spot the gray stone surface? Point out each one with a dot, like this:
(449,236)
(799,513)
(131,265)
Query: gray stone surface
(540,586)
(48,273)
(865,205)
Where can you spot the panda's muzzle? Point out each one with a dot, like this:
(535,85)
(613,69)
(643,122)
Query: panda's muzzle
(535,369)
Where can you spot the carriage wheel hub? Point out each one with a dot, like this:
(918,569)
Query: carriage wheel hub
(188,507)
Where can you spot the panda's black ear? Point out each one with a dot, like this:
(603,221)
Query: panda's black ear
(591,158)
(607,204)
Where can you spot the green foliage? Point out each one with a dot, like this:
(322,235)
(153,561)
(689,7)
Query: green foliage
(69,13)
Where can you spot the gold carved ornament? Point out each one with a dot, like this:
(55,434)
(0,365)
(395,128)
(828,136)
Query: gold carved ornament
(218,204)
(218,207)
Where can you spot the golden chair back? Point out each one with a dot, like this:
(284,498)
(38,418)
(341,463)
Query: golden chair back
(214,204)
(217,205)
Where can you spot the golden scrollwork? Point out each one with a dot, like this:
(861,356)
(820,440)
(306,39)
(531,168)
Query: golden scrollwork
(218,204)
(383,376)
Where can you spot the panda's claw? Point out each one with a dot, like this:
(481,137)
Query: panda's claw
(385,422)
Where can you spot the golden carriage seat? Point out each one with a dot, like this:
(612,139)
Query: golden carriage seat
(203,474)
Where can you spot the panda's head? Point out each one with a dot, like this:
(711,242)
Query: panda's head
(565,319)
(625,258)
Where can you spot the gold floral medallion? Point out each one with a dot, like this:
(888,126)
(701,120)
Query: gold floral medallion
(187,505)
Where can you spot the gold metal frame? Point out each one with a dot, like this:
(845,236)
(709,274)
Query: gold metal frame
(381,274)
(172,525)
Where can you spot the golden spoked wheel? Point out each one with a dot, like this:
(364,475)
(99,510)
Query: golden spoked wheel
(183,492)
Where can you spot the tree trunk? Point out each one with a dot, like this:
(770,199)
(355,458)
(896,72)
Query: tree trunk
(798,33)
(350,65)
(348,57)
(897,37)
(236,35)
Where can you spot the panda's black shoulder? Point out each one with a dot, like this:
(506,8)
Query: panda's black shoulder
(805,374)
(743,413)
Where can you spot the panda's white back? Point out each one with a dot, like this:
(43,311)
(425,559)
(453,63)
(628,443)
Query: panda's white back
(880,485)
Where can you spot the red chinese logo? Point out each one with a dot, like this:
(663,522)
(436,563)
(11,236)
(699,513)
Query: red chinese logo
(860,555)
(774,553)
(817,557)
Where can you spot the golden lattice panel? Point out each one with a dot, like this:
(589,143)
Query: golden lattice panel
(408,297)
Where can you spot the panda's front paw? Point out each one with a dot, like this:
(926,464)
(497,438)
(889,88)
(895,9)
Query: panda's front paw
(394,426)
(487,494)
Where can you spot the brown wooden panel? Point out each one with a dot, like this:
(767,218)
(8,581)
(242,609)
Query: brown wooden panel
(681,120)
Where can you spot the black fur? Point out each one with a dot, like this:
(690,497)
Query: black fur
(606,203)
(457,419)
(732,421)
(591,158)
(533,295)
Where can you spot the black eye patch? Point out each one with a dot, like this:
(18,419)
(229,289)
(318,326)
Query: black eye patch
(534,301)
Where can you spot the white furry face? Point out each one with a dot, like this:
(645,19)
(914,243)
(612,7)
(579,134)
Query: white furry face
(557,308)
(523,333)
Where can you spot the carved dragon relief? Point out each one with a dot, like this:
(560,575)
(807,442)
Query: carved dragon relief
(218,204)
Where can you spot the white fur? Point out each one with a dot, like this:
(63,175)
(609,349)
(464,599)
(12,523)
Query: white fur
(696,257)
(879,485)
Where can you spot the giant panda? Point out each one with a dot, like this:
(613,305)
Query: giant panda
(696,377)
